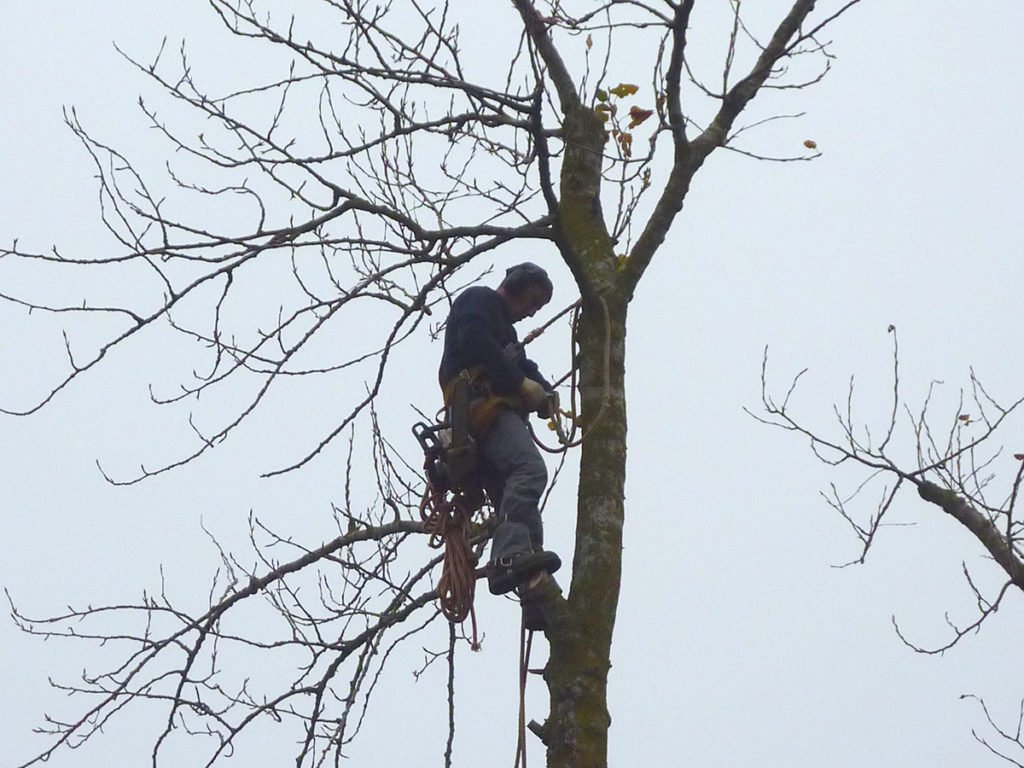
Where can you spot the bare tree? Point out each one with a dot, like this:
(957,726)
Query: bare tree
(953,462)
(364,183)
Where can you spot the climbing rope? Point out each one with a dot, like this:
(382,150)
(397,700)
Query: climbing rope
(449,524)
(525,644)
(569,440)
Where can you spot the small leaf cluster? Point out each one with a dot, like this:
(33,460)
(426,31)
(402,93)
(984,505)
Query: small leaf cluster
(608,109)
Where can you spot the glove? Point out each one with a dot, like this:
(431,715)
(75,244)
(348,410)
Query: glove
(533,394)
(550,407)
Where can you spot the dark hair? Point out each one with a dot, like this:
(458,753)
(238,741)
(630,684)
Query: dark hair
(521,276)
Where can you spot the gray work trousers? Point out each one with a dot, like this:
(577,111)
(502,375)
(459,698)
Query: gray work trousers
(514,475)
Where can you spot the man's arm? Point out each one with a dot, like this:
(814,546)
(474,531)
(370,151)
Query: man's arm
(530,369)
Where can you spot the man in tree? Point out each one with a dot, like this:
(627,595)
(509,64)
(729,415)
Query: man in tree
(482,347)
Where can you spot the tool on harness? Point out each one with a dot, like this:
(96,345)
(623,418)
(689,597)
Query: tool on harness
(449,448)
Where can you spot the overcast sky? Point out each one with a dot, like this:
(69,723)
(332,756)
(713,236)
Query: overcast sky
(737,642)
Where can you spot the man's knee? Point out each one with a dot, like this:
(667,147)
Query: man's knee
(541,470)
(535,474)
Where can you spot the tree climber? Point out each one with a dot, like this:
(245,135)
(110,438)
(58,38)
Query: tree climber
(480,343)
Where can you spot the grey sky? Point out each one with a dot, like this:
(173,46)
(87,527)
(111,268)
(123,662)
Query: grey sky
(736,642)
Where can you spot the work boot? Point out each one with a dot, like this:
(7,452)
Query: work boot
(533,616)
(530,598)
(506,573)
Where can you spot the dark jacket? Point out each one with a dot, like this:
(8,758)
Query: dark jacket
(480,332)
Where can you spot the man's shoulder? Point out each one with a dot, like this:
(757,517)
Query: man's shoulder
(480,292)
(477,296)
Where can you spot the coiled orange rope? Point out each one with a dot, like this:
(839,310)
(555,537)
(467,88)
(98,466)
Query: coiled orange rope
(448,523)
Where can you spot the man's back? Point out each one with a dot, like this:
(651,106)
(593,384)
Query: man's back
(478,332)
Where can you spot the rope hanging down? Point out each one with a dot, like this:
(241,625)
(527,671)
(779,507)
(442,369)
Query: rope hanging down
(525,645)
(449,524)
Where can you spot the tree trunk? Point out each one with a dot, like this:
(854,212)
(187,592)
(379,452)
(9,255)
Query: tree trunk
(577,672)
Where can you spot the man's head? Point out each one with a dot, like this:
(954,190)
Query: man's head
(526,288)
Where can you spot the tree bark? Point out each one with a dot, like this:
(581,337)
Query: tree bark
(577,673)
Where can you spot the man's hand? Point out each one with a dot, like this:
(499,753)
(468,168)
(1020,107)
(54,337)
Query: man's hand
(550,407)
(533,394)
